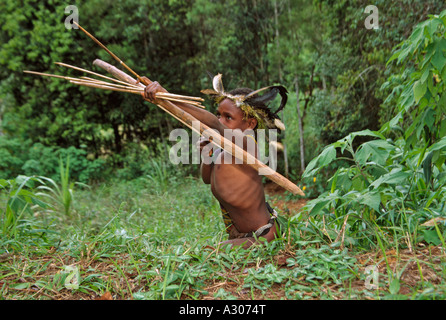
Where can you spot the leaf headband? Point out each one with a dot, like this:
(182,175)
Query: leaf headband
(252,104)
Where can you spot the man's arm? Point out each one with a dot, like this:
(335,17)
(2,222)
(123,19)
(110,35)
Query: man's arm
(201,115)
(205,169)
(204,116)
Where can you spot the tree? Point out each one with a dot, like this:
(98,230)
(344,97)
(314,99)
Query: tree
(55,112)
(293,61)
(353,62)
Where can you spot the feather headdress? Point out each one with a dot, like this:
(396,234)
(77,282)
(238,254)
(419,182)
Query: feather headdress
(251,103)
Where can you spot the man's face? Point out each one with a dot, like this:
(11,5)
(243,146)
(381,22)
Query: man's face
(232,117)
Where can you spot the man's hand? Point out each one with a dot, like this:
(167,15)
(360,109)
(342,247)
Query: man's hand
(203,143)
(151,90)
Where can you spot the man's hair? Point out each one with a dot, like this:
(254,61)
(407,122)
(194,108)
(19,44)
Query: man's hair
(257,105)
(242,91)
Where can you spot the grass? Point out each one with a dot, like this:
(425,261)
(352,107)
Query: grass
(140,240)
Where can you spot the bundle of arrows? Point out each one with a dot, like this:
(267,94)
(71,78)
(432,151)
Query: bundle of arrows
(125,83)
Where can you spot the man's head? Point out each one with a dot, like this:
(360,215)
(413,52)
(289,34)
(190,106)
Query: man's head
(254,109)
(234,117)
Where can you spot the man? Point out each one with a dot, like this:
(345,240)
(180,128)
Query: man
(238,187)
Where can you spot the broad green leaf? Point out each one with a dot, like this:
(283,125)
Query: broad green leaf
(393,123)
(403,54)
(431,236)
(310,167)
(377,150)
(438,60)
(326,157)
(3,183)
(417,34)
(22,180)
(393,57)
(407,99)
(394,287)
(371,199)
(315,206)
(432,26)
(419,90)
(21,286)
(443,73)
(429,118)
(358,183)
(426,73)
(438,145)
(367,132)
(396,176)
(430,50)
(340,180)
(319,205)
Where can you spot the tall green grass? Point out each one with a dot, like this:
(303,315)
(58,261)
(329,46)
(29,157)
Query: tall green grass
(61,195)
(137,240)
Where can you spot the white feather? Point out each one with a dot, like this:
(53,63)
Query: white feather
(218,84)
(279,124)
(277,145)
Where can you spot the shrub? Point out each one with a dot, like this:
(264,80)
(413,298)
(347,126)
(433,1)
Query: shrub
(397,178)
(12,156)
(18,157)
(20,198)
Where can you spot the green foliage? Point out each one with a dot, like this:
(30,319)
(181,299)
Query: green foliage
(20,198)
(34,159)
(133,241)
(56,113)
(159,175)
(156,38)
(311,264)
(12,156)
(353,64)
(233,39)
(62,196)
(397,181)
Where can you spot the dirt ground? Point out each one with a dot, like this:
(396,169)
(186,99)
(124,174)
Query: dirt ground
(288,207)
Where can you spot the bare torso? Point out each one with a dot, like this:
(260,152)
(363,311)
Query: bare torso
(239,189)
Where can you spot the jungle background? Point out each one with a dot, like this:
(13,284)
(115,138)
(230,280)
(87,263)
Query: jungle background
(86,181)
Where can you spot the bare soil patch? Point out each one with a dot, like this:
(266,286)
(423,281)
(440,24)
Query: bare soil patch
(278,195)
